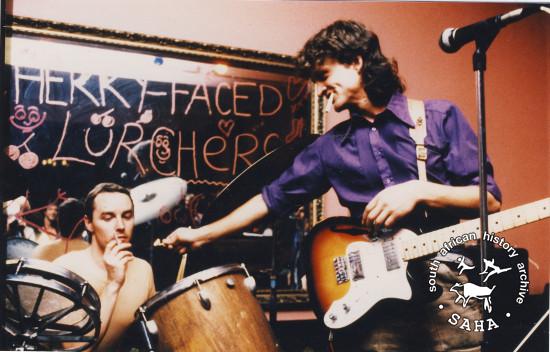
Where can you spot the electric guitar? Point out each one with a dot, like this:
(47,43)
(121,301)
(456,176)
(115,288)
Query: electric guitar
(349,272)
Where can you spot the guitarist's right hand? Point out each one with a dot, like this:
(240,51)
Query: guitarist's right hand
(391,204)
(184,239)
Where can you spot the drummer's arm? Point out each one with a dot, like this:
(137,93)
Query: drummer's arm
(115,258)
(248,213)
(108,300)
(151,282)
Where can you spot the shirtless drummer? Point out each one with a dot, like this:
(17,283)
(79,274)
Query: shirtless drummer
(122,281)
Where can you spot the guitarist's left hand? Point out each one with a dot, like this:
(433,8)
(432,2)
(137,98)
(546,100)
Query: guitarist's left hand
(391,204)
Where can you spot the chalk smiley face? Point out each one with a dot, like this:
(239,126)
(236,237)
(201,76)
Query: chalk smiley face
(27,119)
(161,144)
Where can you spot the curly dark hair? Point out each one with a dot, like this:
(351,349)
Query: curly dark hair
(344,41)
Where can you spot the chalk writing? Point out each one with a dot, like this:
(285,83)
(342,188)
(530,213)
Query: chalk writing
(202,127)
(295,88)
(296,131)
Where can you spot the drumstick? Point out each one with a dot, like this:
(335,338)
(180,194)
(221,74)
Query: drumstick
(181,270)
(330,99)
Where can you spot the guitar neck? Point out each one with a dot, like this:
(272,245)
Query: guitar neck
(451,236)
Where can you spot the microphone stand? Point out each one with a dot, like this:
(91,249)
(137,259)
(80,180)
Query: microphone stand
(480,65)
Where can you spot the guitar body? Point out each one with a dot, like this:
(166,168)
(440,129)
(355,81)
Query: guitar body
(349,273)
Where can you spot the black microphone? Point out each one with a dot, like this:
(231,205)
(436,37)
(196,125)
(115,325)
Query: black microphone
(452,39)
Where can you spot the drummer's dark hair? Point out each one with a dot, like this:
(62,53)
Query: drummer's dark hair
(105,187)
(344,41)
(70,216)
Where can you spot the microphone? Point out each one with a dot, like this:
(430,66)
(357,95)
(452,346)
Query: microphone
(452,39)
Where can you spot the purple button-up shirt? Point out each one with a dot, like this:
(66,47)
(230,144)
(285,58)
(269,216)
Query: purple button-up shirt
(359,159)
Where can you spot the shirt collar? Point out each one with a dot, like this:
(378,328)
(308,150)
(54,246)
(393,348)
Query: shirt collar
(398,106)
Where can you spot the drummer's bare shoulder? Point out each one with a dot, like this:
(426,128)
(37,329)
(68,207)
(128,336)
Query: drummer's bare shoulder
(54,250)
(140,273)
(80,262)
(140,266)
(74,258)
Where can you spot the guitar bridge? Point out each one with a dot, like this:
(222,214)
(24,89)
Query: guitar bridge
(341,269)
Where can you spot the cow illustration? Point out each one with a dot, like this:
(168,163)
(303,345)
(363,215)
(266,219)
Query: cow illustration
(470,290)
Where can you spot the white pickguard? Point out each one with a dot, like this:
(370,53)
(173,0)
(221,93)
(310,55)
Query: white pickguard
(378,283)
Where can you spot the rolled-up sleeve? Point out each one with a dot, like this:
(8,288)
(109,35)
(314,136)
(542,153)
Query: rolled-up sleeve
(462,157)
(303,181)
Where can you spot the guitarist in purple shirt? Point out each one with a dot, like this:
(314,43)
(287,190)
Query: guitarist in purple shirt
(370,160)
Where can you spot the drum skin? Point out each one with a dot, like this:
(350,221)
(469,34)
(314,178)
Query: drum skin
(18,247)
(36,291)
(234,322)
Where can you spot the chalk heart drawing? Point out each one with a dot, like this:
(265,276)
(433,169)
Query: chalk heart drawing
(226,126)
(12,152)
(28,119)
(28,160)
(295,87)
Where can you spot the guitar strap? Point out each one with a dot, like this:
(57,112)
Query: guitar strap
(418,134)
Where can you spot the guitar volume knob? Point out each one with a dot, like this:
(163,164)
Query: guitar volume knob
(346,308)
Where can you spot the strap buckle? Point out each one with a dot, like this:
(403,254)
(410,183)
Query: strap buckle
(421,152)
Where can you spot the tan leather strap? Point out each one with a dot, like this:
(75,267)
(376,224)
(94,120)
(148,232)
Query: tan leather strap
(418,134)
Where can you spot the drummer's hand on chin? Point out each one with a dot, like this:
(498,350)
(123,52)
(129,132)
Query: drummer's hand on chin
(184,239)
(116,258)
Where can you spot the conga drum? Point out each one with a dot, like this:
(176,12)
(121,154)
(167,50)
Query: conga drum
(212,310)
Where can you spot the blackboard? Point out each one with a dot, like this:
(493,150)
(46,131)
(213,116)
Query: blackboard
(77,113)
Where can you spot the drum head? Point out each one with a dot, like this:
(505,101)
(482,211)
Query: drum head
(181,286)
(47,306)
(18,247)
(152,198)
